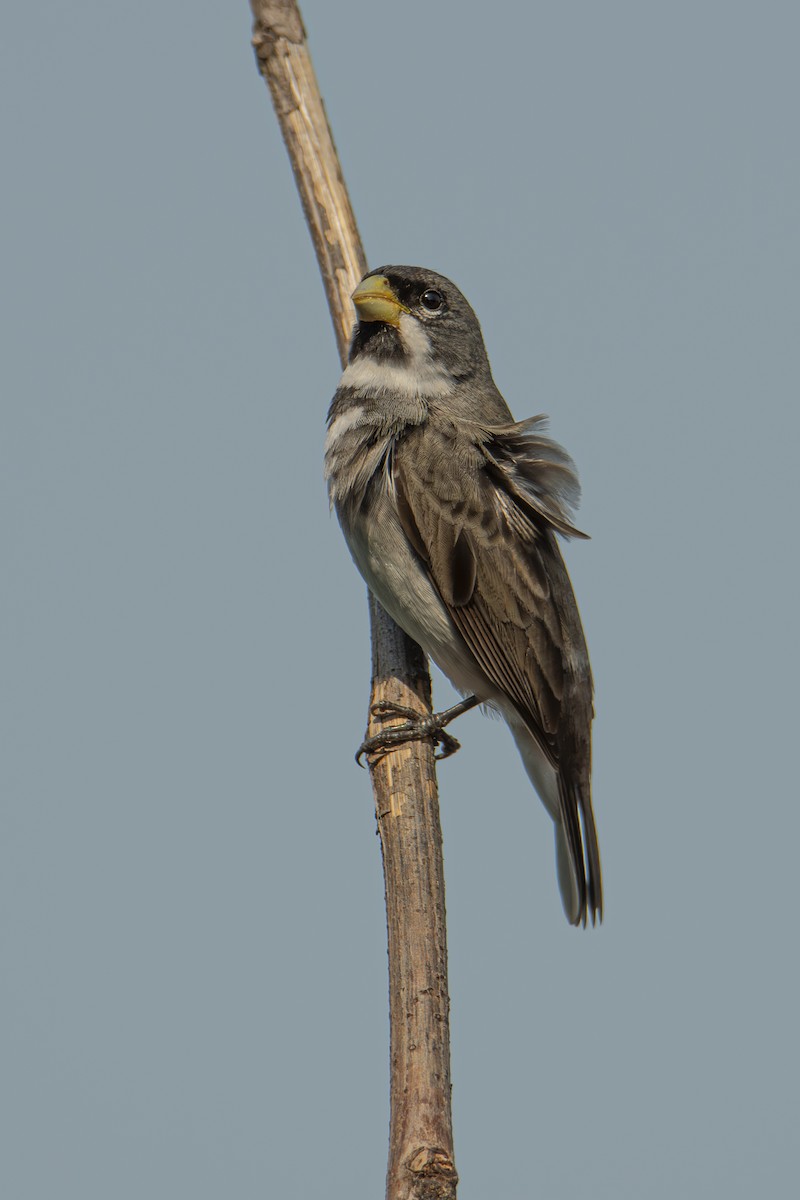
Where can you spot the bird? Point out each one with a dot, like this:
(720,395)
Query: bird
(451,509)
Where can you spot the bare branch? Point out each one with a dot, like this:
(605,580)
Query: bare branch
(421,1165)
(282,51)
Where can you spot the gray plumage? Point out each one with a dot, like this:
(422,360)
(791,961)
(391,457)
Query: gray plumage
(450,509)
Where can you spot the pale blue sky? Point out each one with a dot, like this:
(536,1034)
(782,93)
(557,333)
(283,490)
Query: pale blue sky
(193,946)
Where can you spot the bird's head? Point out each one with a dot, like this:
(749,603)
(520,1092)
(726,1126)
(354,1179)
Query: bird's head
(415,319)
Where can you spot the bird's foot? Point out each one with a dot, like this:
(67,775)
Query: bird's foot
(414,728)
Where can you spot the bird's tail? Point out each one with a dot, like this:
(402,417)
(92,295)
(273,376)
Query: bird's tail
(577,852)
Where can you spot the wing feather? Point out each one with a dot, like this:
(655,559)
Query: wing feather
(481,506)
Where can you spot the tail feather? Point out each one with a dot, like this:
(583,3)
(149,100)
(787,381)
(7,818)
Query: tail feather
(573,902)
(577,852)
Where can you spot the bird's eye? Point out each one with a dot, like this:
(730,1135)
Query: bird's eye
(432,300)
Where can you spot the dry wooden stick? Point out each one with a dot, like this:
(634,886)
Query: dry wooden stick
(421,1165)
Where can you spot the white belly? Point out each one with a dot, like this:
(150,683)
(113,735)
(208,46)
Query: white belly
(395,576)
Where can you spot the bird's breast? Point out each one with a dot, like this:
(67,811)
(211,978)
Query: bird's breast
(400,582)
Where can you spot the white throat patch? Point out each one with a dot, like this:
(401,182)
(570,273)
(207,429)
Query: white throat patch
(419,376)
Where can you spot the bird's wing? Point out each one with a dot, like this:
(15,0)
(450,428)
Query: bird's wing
(480,505)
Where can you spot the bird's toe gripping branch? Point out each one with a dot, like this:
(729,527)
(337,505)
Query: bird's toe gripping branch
(414,728)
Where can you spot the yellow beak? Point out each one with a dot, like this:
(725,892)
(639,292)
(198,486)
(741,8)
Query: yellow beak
(376,300)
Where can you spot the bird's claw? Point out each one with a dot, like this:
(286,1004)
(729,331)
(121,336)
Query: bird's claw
(414,728)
